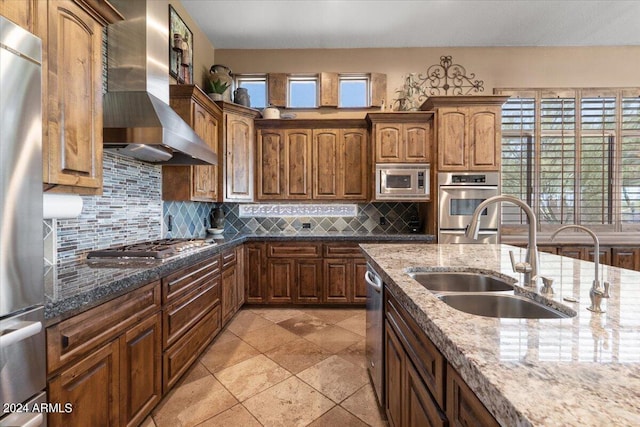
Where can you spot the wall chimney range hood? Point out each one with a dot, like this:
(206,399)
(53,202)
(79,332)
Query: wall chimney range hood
(138,121)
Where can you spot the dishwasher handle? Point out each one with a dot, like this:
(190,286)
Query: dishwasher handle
(373,280)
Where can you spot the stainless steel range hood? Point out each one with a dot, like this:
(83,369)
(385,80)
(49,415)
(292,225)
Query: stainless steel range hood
(138,120)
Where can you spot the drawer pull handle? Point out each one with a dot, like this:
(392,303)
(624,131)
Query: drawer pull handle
(65,341)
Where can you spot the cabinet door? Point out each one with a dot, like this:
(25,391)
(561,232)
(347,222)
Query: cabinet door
(255,281)
(240,297)
(92,386)
(337,276)
(628,258)
(308,281)
(21,12)
(452,147)
(228,298)
(298,163)
(463,407)
(358,284)
(395,360)
(272,175)
(73,144)
(484,138)
(280,280)
(204,179)
(326,153)
(417,142)
(353,167)
(140,370)
(572,252)
(420,408)
(388,141)
(239,161)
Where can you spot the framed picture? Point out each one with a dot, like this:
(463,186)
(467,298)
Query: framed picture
(180,49)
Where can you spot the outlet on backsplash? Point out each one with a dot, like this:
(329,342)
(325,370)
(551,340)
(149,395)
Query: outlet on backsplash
(306,225)
(383,220)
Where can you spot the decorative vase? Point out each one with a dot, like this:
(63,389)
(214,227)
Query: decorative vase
(216,96)
(241,96)
(222,73)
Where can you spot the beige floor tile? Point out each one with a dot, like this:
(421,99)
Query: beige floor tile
(334,377)
(338,417)
(225,336)
(246,321)
(356,354)
(303,325)
(296,356)
(148,422)
(265,339)
(228,353)
(333,338)
(276,314)
(333,315)
(238,416)
(363,405)
(252,376)
(356,324)
(195,399)
(290,403)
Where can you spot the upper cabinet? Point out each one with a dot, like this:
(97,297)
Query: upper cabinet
(468,131)
(402,137)
(312,160)
(194,183)
(72,131)
(238,145)
(22,12)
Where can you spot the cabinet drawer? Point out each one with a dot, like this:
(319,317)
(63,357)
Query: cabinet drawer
(294,250)
(80,334)
(180,315)
(463,406)
(178,358)
(186,279)
(346,250)
(428,361)
(228,258)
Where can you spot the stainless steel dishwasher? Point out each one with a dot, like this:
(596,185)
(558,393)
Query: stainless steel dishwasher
(375,332)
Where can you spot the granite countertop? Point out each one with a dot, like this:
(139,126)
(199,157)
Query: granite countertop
(579,371)
(75,287)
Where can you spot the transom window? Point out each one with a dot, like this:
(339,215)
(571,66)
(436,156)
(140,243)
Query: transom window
(574,156)
(256,85)
(353,91)
(303,92)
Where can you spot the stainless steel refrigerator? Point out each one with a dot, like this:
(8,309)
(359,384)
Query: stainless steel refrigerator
(22,340)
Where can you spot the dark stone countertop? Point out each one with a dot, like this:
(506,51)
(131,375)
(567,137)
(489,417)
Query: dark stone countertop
(75,287)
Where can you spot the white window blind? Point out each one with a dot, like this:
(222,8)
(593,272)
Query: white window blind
(630,164)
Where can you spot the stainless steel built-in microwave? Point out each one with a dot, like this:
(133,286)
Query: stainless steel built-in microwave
(402,181)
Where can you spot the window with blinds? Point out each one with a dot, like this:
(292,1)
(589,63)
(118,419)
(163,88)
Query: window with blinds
(573,155)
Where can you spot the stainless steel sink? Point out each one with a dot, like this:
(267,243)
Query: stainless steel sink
(501,305)
(459,281)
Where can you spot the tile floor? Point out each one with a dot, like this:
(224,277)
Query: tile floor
(278,367)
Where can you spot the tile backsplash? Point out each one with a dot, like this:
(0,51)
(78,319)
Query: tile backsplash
(131,210)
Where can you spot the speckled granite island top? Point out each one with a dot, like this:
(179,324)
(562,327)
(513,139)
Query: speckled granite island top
(579,371)
(75,287)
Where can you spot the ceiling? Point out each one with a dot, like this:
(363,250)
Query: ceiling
(288,24)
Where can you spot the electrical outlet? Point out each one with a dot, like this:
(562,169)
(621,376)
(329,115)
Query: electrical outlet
(383,220)
(169,222)
(306,225)
(204,221)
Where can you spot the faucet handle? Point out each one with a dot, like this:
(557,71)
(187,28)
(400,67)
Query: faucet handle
(606,290)
(519,267)
(547,285)
(513,261)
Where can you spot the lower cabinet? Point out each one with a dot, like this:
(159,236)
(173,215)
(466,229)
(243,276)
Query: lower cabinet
(626,258)
(230,279)
(421,388)
(622,257)
(110,362)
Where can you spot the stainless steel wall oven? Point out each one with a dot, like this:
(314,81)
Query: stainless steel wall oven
(459,193)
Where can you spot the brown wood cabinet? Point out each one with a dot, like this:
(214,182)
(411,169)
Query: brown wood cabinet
(194,183)
(312,160)
(72,131)
(21,12)
(468,131)
(418,378)
(106,361)
(402,137)
(284,164)
(229,279)
(294,273)
(255,273)
(626,258)
(238,139)
(344,269)
(340,166)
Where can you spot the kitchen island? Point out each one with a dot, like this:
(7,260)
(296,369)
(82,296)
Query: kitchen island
(579,371)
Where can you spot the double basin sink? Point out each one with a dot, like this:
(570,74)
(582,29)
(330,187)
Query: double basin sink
(483,295)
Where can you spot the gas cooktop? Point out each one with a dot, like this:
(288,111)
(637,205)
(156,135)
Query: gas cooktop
(155,249)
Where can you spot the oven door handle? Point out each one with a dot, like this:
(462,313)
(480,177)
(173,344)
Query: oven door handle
(16,334)
(373,280)
(461,232)
(468,187)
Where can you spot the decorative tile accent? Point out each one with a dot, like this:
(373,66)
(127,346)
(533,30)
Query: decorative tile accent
(291,210)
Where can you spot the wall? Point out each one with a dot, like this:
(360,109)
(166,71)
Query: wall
(498,67)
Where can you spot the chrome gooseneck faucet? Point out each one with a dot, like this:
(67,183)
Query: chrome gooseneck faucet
(597,292)
(530,265)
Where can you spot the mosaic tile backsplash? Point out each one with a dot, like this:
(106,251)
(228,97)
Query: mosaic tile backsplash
(131,210)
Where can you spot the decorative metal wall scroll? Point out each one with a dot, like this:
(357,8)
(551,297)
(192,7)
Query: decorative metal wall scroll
(445,78)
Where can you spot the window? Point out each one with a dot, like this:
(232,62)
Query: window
(256,85)
(353,91)
(574,156)
(303,92)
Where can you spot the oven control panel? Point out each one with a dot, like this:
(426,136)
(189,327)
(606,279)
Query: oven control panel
(475,179)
